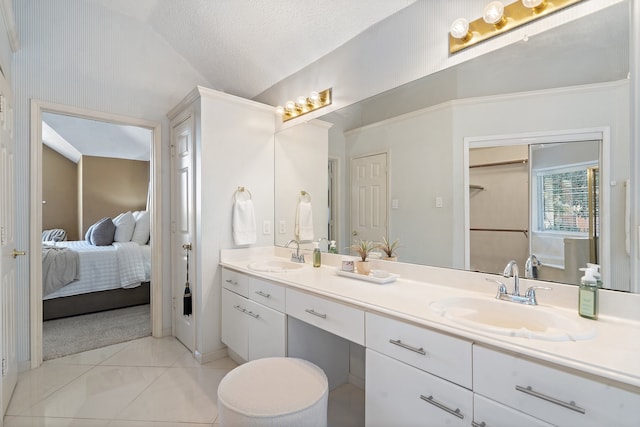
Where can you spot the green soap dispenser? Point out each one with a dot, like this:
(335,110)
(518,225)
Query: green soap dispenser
(317,257)
(588,295)
(332,247)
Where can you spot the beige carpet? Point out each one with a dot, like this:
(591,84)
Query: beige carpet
(71,335)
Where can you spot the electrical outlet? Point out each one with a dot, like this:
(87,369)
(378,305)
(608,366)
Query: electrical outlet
(438,202)
(266,227)
(282,229)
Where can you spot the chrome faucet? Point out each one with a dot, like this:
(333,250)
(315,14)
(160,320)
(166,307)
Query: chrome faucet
(295,257)
(512,269)
(531,267)
(529,296)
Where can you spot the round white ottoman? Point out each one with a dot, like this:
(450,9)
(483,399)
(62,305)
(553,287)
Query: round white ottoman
(274,391)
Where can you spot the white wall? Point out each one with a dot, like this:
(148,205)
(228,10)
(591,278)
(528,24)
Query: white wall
(301,164)
(419,161)
(83,55)
(236,149)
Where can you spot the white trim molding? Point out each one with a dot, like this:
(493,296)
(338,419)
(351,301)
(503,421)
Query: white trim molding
(35,220)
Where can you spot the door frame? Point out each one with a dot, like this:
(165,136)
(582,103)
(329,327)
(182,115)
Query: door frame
(35,214)
(602,133)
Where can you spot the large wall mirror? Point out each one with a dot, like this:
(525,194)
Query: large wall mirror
(572,79)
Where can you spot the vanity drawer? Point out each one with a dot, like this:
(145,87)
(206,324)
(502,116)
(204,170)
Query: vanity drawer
(235,282)
(400,395)
(267,293)
(342,320)
(551,394)
(442,355)
(488,413)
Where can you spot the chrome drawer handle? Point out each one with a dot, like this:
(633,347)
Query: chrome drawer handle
(250,313)
(475,424)
(571,405)
(315,313)
(237,307)
(454,412)
(231,282)
(262,294)
(408,347)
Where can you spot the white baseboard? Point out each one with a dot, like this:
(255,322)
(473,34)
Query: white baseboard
(356,381)
(211,356)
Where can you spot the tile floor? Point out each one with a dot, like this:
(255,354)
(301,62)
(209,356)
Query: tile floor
(143,383)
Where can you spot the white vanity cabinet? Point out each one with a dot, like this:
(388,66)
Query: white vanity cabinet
(251,327)
(554,395)
(416,376)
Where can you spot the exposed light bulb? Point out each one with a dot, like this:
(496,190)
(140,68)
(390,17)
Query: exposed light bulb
(314,97)
(460,29)
(493,13)
(290,106)
(301,101)
(280,110)
(536,5)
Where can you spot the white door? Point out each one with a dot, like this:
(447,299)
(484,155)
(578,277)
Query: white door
(369,197)
(183,229)
(9,253)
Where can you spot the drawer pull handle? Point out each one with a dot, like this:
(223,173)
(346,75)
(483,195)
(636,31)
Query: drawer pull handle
(476,424)
(231,282)
(454,412)
(315,313)
(408,347)
(237,307)
(262,294)
(571,405)
(252,314)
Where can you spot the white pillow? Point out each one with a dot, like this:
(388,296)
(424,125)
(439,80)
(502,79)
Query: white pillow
(143,227)
(125,224)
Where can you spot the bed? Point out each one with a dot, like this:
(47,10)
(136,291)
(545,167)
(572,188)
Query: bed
(82,277)
(108,277)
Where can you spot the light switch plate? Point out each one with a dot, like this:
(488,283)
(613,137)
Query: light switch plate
(266,227)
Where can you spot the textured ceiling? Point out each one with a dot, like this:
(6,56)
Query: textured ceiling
(241,47)
(246,46)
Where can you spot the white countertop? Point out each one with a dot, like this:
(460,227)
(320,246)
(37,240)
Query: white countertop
(613,353)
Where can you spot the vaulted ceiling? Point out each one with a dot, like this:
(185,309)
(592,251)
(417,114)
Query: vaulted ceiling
(241,46)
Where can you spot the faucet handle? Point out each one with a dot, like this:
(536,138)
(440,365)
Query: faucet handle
(502,288)
(531,293)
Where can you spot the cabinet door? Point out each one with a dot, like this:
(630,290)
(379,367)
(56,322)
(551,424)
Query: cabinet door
(401,395)
(267,332)
(235,326)
(488,413)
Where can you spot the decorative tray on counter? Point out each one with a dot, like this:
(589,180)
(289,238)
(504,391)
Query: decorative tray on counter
(369,278)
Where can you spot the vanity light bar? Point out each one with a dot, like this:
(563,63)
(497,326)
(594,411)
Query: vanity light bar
(498,19)
(304,105)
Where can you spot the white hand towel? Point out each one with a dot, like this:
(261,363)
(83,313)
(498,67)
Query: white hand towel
(244,222)
(304,221)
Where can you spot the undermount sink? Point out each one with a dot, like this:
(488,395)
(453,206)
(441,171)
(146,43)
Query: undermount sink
(513,319)
(274,266)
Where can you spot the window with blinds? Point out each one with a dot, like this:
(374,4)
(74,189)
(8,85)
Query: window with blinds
(563,203)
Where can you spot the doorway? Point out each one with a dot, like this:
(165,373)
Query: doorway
(40,108)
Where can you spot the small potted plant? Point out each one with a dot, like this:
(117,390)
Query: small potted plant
(389,249)
(363,248)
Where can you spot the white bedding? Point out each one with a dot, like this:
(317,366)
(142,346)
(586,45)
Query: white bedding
(121,265)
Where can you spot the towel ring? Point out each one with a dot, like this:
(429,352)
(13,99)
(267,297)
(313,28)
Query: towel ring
(241,190)
(305,195)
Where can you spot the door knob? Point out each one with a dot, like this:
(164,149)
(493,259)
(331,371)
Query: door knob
(16,253)
(354,233)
